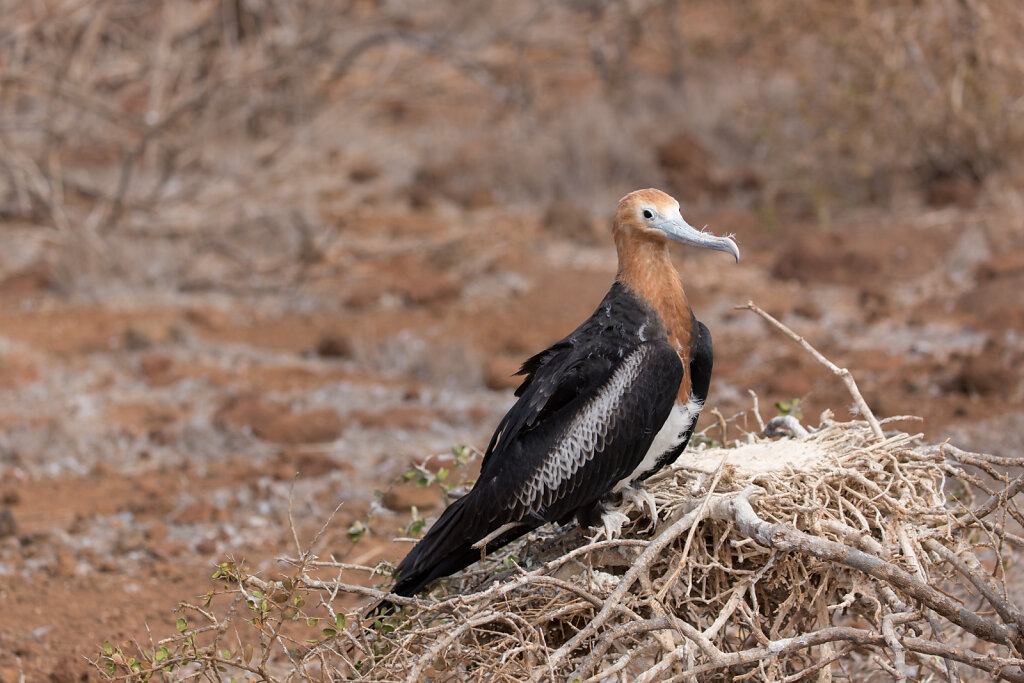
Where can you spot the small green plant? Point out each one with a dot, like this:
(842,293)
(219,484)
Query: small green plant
(422,476)
(357,530)
(339,625)
(790,407)
(199,640)
(462,454)
(415,524)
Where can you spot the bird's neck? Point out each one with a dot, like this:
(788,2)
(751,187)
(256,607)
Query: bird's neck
(645,267)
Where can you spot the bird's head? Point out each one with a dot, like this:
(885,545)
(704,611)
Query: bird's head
(653,216)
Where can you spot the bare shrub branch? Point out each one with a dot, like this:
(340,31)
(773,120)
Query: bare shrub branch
(842,373)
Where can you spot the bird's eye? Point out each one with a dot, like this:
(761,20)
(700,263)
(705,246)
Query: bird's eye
(648,214)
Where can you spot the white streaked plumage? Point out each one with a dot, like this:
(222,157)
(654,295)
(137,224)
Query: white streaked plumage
(584,438)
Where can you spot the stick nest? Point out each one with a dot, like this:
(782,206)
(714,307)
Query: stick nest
(710,575)
(774,560)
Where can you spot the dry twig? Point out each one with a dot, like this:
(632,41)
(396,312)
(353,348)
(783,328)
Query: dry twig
(842,373)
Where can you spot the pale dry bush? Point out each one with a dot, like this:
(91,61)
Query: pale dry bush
(146,135)
(139,136)
(881,97)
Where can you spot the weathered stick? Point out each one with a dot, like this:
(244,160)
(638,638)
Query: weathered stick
(842,373)
(994,501)
(646,557)
(783,537)
(1007,612)
(993,666)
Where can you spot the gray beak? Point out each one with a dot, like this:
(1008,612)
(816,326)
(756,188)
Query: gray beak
(680,231)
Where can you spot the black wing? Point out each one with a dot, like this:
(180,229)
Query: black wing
(580,450)
(577,364)
(555,377)
(701,361)
(584,422)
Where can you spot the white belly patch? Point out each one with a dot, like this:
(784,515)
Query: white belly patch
(679,421)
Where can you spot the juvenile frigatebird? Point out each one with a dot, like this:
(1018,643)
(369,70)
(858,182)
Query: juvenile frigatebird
(599,411)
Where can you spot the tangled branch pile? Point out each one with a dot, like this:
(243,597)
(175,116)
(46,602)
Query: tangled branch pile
(769,561)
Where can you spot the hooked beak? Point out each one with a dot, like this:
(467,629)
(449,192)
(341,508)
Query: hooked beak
(679,230)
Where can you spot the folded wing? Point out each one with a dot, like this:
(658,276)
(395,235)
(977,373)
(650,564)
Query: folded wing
(584,420)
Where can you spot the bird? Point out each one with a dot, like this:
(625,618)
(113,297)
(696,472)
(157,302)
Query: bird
(597,413)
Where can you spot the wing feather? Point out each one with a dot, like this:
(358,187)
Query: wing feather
(588,411)
(583,449)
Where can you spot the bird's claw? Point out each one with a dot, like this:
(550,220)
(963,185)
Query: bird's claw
(611,525)
(641,499)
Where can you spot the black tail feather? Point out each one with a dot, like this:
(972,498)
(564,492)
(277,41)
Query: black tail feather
(445,549)
(448,546)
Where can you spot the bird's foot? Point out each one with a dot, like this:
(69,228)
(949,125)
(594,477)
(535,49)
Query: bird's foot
(641,499)
(611,525)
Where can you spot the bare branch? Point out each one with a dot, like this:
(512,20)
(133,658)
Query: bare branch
(785,538)
(842,373)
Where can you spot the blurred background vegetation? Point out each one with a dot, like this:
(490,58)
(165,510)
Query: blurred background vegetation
(249,129)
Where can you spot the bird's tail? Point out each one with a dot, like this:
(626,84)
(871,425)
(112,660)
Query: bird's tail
(449,545)
(445,549)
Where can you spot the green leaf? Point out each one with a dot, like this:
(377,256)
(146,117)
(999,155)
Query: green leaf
(311,621)
(161,654)
(181,624)
(791,407)
(340,621)
(329,632)
(108,649)
(461,453)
